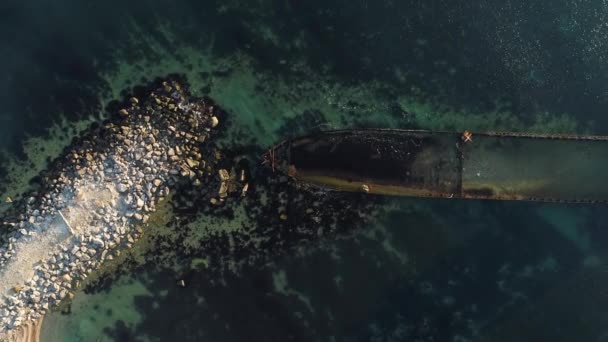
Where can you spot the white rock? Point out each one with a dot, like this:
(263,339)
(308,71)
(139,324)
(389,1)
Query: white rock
(214,121)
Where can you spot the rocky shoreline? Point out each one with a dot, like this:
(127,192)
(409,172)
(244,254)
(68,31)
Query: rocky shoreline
(96,197)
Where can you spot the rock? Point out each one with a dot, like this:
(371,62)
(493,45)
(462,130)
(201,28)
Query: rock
(224,175)
(223,192)
(8,200)
(98,242)
(191,163)
(134,100)
(214,121)
(157,182)
(17,322)
(122,187)
(171,152)
(123,112)
(140,203)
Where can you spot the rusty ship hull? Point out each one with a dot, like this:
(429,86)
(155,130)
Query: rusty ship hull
(491,165)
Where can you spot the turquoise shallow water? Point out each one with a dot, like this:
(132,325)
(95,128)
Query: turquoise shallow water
(404,270)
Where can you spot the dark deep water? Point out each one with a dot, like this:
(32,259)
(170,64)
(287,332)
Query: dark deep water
(418,270)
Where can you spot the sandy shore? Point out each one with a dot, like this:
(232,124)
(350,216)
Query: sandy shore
(28,332)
